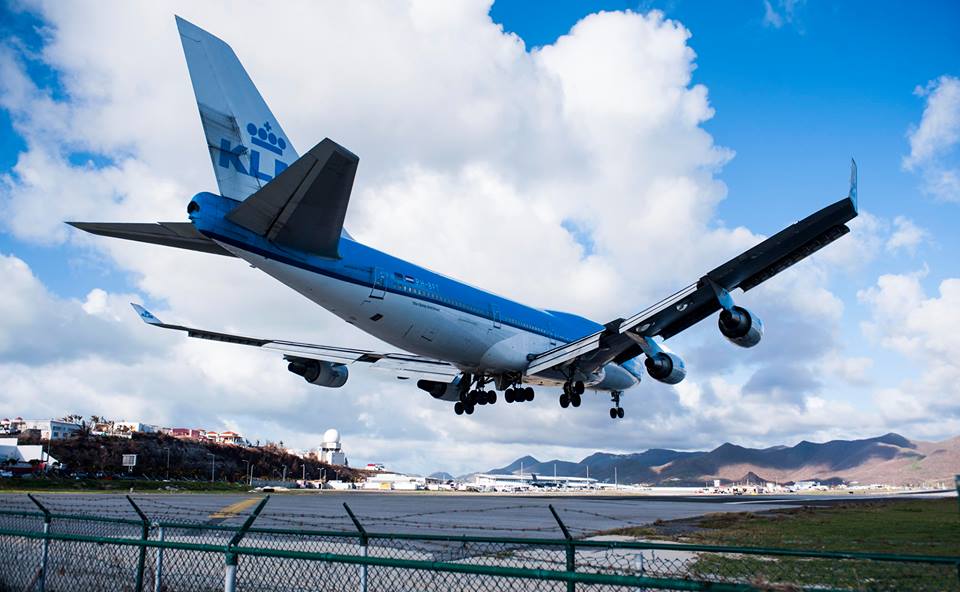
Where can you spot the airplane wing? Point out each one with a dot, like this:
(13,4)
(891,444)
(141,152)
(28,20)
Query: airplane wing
(621,339)
(402,364)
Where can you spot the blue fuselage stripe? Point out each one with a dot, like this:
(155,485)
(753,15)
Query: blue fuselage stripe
(367,267)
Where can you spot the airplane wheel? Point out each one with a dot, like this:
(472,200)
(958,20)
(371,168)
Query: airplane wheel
(508,395)
(458,408)
(491,397)
(471,399)
(564,400)
(529,393)
(578,388)
(575,400)
(613,413)
(620,412)
(468,409)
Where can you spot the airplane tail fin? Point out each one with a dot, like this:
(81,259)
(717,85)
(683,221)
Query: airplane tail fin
(247,146)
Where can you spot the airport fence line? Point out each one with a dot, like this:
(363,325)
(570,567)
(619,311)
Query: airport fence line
(45,551)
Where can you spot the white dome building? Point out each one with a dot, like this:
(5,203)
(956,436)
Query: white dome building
(331,451)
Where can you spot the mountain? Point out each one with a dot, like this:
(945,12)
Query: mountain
(630,468)
(443,476)
(891,459)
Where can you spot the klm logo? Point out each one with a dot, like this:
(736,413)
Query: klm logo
(261,137)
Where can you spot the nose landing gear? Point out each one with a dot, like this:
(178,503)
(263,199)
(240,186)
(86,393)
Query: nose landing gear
(616,412)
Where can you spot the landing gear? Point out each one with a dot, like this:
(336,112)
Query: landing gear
(616,412)
(571,394)
(518,395)
(470,398)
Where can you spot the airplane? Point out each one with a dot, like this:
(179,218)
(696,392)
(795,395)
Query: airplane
(283,214)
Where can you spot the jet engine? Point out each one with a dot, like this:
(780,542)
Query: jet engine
(665,367)
(446,391)
(741,326)
(319,373)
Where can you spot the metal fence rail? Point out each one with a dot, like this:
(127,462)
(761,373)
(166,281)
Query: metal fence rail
(45,551)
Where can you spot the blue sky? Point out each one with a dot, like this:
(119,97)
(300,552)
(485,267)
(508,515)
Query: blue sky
(796,102)
(793,90)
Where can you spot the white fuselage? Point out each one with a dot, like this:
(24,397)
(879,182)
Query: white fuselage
(472,343)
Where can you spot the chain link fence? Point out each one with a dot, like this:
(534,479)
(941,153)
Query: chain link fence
(167,551)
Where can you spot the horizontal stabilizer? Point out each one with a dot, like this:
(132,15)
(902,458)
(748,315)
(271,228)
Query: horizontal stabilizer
(182,235)
(304,207)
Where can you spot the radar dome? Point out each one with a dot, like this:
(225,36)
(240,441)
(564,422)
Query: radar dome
(331,436)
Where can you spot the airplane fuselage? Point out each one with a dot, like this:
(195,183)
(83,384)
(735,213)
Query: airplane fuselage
(411,307)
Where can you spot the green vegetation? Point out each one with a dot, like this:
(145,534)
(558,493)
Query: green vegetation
(107,485)
(160,456)
(910,527)
(915,527)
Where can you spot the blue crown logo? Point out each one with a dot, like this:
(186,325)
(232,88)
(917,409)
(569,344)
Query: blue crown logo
(265,138)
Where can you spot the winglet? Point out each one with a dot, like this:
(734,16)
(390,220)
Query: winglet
(146,315)
(853,184)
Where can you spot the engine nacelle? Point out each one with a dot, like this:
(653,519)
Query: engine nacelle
(741,326)
(666,368)
(445,391)
(320,373)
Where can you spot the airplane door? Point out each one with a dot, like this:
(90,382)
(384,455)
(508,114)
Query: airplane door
(495,310)
(378,290)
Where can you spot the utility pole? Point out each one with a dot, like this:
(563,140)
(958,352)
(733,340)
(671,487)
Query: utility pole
(247,471)
(213,467)
(284,473)
(167,448)
(616,480)
(304,475)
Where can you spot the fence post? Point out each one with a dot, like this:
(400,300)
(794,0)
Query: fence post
(956,481)
(230,561)
(158,569)
(364,539)
(144,534)
(45,553)
(571,549)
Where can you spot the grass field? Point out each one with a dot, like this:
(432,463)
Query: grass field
(917,527)
(911,527)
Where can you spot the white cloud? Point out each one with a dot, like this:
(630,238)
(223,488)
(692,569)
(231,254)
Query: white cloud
(780,12)
(925,331)
(906,236)
(475,154)
(933,142)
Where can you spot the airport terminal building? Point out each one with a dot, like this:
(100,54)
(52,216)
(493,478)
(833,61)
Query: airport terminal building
(530,481)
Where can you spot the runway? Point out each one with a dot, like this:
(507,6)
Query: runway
(453,514)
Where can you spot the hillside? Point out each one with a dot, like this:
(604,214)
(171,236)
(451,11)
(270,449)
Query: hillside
(188,459)
(890,459)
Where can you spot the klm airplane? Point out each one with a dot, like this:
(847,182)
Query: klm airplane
(283,214)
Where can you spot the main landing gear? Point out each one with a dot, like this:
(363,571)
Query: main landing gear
(616,412)
(571,394)
(518,394)
(478,396)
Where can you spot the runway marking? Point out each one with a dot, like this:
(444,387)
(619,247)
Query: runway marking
(234,509)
